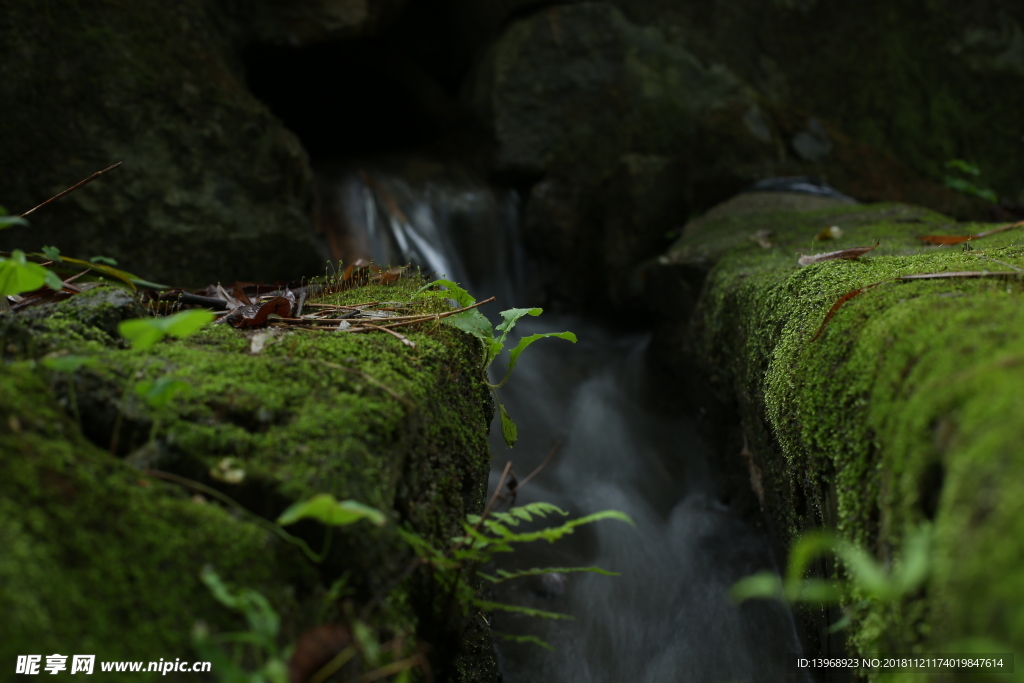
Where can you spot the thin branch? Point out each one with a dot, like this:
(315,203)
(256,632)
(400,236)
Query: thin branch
(494,498)
(551,454)
(402,338)
(74,187)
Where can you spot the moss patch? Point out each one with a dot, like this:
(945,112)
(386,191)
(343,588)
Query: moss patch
(359,416)
(905,409)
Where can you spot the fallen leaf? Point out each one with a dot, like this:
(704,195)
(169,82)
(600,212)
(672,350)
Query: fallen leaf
(854,252)
(836,306)
(957,239)
(256,315)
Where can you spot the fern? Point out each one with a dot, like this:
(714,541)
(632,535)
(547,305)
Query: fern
(455,567)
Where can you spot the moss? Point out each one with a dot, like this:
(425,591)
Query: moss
(905,409)
(93,552)
(359,416)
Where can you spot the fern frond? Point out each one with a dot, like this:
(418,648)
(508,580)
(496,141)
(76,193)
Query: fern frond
(488,606)
(537,571)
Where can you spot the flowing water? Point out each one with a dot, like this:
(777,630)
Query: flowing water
(596,406)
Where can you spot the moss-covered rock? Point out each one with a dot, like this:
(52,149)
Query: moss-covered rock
(212,186)
(104,544)
(901,407)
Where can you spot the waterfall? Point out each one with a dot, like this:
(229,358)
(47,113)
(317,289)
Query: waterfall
(668,616)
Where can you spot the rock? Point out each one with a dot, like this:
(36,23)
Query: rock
(96,548)
(573,88)
(895,407)
(212,188)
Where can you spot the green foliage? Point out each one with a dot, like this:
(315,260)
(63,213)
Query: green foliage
(143,333)
(475,323)
(260,638)
(324,508)
(456,566)
(17,275)
(868,578)
(7,221)
(960,183)
(158,393)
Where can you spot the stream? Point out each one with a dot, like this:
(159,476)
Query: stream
(598,407)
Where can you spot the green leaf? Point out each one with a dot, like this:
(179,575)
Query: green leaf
(523,639)
(185,323)
(18,275)
(916,564)
(11,221)
(508,427)
(67,363)
(815,591)
(763,585)
(537,571)
(476,323)
(368,642)
(161,392)
(513,357)
(325,508)
(488,606)
(103,259)
(52,253)
(452,291)
(145,332)
(964,166)
(142,333)
(511,316)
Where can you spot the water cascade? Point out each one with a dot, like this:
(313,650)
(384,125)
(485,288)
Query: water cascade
(617,444)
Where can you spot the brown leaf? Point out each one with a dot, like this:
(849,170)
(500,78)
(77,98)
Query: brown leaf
(854,252)
(945,239)
(957,239)
(838,304)
(256,315)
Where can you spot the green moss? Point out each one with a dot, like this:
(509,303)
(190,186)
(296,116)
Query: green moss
(93,552)
(359,416)
(905,409)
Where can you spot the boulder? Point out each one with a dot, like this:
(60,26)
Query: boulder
(212,187)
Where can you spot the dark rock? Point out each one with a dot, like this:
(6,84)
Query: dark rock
(212,186)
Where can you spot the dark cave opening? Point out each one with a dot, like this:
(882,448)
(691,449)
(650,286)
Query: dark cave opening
(396,91)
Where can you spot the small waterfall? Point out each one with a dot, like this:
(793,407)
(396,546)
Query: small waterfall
(668,616)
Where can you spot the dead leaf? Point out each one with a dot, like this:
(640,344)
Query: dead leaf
(854,252)
(836,306)
(957,239)
(256,315)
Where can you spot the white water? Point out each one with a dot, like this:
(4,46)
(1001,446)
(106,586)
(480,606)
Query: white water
(668,616)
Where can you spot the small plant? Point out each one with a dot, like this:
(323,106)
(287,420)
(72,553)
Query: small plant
(962,180)
(142,333)
(261,636)
(868,580)
(474,322)
(455,567)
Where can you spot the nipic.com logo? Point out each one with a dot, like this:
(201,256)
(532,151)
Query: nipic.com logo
(30,664)
(86,664)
